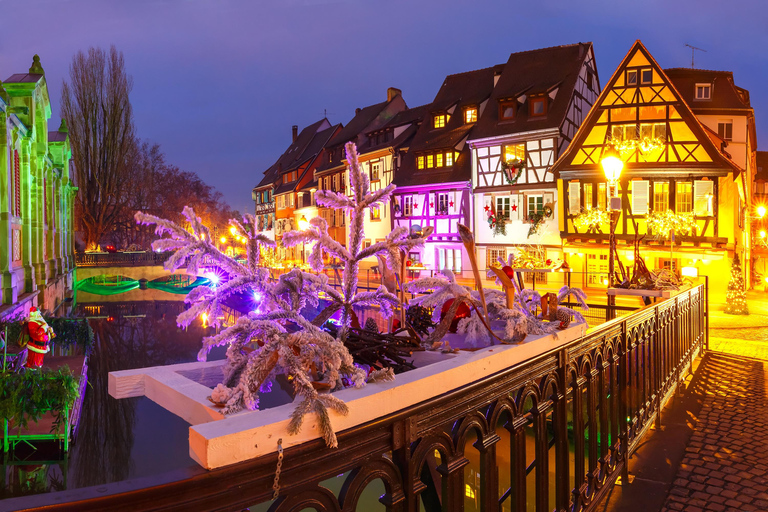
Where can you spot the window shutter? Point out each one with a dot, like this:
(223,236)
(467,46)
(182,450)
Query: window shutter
(639,197)
(702,192)
(574,197)
(549,199)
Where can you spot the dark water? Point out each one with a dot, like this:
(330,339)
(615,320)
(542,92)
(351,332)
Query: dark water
(117,439)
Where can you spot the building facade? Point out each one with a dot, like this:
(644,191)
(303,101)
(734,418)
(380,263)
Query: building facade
(673,165)
(37,200)
(539,100)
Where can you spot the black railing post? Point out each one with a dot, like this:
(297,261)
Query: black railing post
(623,400)
(706,310)
(560,417)
(489,486)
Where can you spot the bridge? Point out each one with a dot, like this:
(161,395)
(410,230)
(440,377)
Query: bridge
(552,432)
(127,276)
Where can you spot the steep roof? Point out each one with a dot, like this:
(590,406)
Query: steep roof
(457,92)
(724,93)
(553,70)
(365,120)
(412,117)
(292,157)
(315,146)
(688,145)
(762,166)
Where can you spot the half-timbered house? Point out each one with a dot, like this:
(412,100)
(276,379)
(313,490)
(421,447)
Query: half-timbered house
(278,193)
(539,100)
(332,173)
(380,158)
(672,163)
(434,187)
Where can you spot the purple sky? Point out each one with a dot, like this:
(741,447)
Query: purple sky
(218,83)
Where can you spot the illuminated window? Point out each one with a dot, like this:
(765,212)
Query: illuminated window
(703,91)
(506,110)
(646,76)
(514,152)
(725,130)
(470,115)
(684,197)
(538,106)
(535,205)
(597,269)
(624,131)
(587,196)
(408,206)
(654,130)
(492,257)
(661,196)
(448,159)
(632,77)
(502,207)
(430,161)
(420,162)
(375,170)
(442,204)
(439,160)
(449,258)
(375,212)
(601,196)
(16,184)
(439,121)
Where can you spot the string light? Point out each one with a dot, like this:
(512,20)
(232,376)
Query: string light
(592,218)
(661,223)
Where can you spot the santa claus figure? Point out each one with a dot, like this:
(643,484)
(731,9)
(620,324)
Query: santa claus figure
(39,335)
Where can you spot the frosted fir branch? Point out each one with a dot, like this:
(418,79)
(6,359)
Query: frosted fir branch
(381,297)
(380,196)
(335,200)
(577,293)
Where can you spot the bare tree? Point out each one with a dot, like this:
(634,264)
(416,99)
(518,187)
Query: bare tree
(96,105)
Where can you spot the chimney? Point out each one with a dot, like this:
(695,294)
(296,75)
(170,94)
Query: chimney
(392,93)
(294,132)
(357,110)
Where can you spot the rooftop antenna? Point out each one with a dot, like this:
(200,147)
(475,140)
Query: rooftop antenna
(325,113)
(693,49)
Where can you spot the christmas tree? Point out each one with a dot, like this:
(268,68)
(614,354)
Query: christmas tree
(276,338)
(735,296)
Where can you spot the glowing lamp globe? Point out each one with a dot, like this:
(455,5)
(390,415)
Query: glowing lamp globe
(761,211)
(303,223)
(762,234)
(612,164)
(223,239)
(233,230)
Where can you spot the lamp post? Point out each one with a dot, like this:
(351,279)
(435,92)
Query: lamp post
(303,225)
(612,166)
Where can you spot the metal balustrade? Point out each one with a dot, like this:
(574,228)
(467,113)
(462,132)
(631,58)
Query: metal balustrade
(551,433)
(120,259)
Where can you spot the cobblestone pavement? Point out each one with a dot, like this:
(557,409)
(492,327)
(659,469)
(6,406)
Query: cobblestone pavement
(725,466)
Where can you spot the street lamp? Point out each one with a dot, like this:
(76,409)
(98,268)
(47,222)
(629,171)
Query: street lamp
(761,211)
(612,166)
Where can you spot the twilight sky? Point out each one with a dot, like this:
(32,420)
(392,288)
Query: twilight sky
(218,83)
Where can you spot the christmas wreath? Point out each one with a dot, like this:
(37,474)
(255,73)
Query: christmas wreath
(513,169)
(547,211)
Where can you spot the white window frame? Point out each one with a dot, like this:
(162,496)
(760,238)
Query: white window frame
(407,206)
(704,87)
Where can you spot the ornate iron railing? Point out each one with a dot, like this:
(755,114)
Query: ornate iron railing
(552,433)
(120,259)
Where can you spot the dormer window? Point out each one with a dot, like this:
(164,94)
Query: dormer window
(632,77)
(440,120)
(470,115)
(506,110)
(538,106)
(703,91)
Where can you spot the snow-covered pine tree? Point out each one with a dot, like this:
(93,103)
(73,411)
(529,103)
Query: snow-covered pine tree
(277,338)
(735,295)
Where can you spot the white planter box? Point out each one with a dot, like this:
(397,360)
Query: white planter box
(216,441)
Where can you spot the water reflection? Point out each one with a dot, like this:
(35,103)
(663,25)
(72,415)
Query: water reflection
(117,439)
